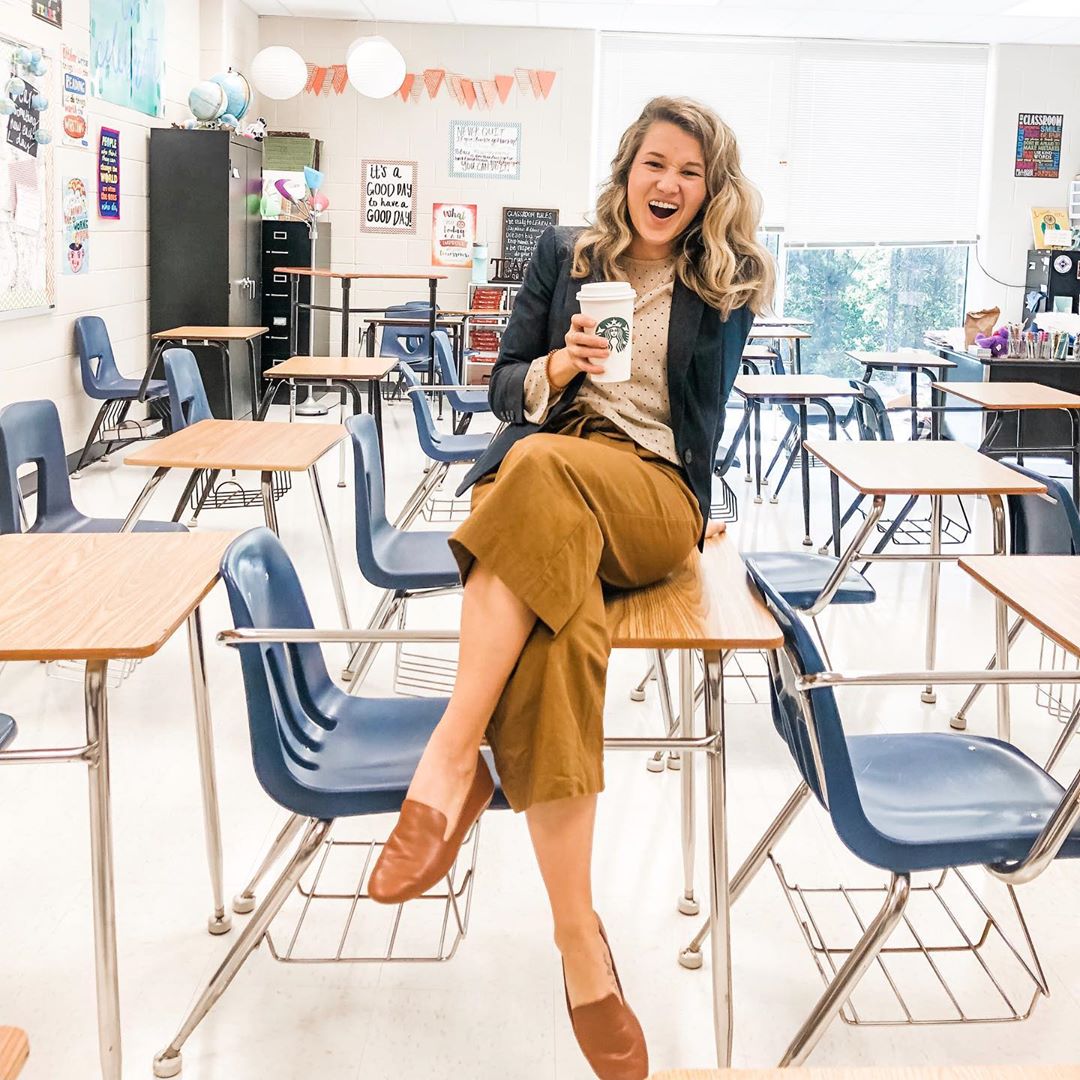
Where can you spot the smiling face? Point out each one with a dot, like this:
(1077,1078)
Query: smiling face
(665,189)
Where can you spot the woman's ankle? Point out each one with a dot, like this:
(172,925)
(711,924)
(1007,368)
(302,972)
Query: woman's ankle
(577,934)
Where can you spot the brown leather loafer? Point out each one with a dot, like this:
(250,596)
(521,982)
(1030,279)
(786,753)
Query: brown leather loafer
(608,1032)
(416,856)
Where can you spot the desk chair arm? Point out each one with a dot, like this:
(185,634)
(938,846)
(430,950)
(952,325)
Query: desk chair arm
(441,388)
(249,636)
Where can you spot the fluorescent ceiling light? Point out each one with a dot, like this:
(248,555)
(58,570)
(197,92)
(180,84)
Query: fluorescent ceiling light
(1042,9)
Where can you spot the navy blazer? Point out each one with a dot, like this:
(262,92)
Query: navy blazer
(703,357)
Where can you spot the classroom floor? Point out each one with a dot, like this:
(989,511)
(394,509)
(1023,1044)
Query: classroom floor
(496,1010)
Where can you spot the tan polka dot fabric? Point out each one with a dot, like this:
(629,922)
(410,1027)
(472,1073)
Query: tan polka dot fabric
(640,406)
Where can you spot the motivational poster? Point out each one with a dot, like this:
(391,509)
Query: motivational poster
(76,208)
(453,230)
(1038,145)
(522,227)
(127,53)
(24,120)
(487,151)
(76,80)
(388,196)
(50,11)
(109,173)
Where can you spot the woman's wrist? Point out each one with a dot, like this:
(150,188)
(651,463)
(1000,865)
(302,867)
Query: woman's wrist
(560,369)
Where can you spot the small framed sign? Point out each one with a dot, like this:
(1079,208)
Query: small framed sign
(50,11)
(485,151)
(522,227)
(388,196)
(109,173)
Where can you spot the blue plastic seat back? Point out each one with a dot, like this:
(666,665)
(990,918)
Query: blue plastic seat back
(290,696)
(371,520)
(101,378)
(1043,524)
(460,400)
(408,343)
(870,413)
(426,430)
(30,435)
(187,395)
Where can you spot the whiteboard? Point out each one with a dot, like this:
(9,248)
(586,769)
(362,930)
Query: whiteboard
(27,258)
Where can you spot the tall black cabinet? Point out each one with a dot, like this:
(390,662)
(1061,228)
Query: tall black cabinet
(206,250)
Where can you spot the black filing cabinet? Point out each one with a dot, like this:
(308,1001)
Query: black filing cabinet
(205,249)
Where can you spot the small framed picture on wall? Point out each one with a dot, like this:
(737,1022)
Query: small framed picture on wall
(388,196)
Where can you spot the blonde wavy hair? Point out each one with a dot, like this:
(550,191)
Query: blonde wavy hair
(717,256)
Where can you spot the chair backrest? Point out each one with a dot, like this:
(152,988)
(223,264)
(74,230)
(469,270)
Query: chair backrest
(97,365)
(30,435)
(286,686)
(187,395)
(870,413)
(1043,524)
(406,342)
(426,430)
(371,520)
(801,657)
(447,371)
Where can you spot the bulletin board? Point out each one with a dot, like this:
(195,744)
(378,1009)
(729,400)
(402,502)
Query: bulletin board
(27,242)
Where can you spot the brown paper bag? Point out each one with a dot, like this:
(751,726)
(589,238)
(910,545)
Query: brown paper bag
(980,322)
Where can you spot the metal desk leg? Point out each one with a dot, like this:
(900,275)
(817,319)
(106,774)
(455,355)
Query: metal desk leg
(688,905)
(757,450)
(376,411)
(331,554)
(144,497)
(798,357)
(211,480)
(804,461)
(914,405)
(1001,627)
(189,487)
(341,445)
(937,403)
(747,436)
(928,696)
(266,482)
(219,922)
(1074,419)
(719,897)
(101,870)
(346,290)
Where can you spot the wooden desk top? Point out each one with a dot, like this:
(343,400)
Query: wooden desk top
(785,332)
(904,360)
(793,386)
(14,1050)
(708,603)
(253,445)
(1042,588)
(211,333)
(758,352)
(307,271)
(776,320)
(920,468)
(957,1072)
(332,367)
(101,596)
(1011,395)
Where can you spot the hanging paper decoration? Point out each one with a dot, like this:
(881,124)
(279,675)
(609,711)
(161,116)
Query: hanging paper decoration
(406,87)
(524,80)
(455,88)
(468,92)
(433,79)
(417,88)
(322,79)
(504,84)
(545,80)
(487,88)
(340,78)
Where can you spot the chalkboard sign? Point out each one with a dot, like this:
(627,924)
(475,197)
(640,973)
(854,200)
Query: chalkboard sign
(521,228)
(24,121)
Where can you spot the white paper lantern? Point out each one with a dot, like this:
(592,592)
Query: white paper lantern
(375,67)
(279,72)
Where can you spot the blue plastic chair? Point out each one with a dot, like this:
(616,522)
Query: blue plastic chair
(450,449)
(461,401)
(30,435)
(407,343)
(187,394)
(8,730)
(102,381)
(317,751)
(905,803)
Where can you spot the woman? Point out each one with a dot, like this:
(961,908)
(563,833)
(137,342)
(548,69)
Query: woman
(591,484)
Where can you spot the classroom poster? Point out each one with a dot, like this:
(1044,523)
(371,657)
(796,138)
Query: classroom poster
(109,173)
(76,207)
(127,53)
(23,120)
(50,11)
(453,230)
(388,196)
(76,80)
(1038,145)
(488,151)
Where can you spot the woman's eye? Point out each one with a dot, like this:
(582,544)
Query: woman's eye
(653,164)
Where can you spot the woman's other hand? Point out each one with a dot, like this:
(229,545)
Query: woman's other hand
(584,351)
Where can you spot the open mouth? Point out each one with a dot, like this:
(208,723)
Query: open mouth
(661,210)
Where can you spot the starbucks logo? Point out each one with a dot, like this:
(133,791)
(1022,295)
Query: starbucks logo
(616,332)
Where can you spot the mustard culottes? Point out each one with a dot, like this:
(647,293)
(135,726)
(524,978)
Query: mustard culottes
(568,512)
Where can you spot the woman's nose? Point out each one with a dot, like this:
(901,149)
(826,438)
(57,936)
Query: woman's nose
(668,182)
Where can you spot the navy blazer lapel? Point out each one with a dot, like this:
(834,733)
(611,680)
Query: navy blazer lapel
(683,326)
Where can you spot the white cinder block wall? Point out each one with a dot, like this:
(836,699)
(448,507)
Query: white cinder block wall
(37,354)
(556,136)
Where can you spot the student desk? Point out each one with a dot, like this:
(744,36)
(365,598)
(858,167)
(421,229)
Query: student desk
(912,361)
(101,597)
(753,356)
(793,335)
(801,391)
(233,397)
(1001,398)
(14,1050)
(930,468)
(245,445)
(956,1072)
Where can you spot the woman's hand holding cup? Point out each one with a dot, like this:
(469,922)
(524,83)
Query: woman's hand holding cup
(584,351)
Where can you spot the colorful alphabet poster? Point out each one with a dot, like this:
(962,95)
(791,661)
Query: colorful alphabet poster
(127,53)
(487,151)
(1038,145)
(76,66)
(453,230)
(388,197)
(109,173)
(50,11)
(76,203)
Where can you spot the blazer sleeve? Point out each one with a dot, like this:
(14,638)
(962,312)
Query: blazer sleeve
(526,336)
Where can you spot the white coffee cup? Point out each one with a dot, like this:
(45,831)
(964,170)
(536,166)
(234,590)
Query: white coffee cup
(611,304)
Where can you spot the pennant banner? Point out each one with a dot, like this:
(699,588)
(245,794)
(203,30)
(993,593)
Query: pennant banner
(433,79)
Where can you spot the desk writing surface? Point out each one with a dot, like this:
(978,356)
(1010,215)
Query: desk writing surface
(1012,395)
(708,603)
(101,596)
(905,358)
(253,445)
(211,333)
(1045,589)
(332,367)
(758,352)
(798,386)
(784,333)
(955,1072)
(920,468)
(308,271)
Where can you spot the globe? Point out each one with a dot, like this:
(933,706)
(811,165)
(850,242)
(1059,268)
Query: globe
(207,100)
(237,91)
